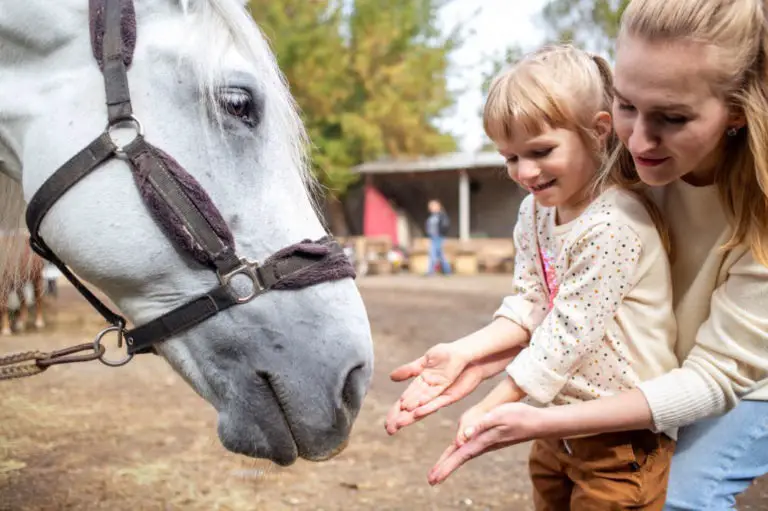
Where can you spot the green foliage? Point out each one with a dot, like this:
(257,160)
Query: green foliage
(369,77)
(590,24)
(506,59)
(509,57)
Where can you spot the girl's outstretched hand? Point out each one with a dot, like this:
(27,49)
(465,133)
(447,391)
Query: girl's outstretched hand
(505,425)
(467,381)
(443,376)
(434,373)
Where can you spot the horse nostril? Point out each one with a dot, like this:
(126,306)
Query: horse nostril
(354,388)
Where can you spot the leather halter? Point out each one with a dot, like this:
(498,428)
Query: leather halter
(171,192)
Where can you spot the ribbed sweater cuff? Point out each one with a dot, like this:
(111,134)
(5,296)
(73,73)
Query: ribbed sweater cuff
(682,397)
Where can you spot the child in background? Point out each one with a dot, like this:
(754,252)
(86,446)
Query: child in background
(591,310)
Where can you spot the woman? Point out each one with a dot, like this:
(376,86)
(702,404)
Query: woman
(691,83)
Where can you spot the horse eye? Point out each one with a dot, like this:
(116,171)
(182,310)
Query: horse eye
(239,103)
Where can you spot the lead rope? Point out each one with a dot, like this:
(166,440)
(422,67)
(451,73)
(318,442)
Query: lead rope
(12,366)
(30,363)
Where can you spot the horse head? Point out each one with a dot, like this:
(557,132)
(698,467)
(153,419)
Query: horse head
(286,371)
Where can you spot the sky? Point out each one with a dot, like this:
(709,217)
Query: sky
(494,25)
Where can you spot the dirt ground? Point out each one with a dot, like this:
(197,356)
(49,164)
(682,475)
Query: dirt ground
(87,437)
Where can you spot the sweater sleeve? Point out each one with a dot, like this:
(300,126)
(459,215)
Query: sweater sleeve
(730,358)
(601,271)
(527,304)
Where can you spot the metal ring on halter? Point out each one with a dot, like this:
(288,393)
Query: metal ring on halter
(97,345)
(247,268)
(130,121)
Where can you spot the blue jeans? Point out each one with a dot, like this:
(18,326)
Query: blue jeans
(717,459)
(436,255)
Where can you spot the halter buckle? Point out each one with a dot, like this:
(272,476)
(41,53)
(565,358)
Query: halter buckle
(249,270)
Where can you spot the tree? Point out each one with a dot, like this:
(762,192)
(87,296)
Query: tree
(306,38)
(368,76)
(590,24)
(399,62)
(506,59)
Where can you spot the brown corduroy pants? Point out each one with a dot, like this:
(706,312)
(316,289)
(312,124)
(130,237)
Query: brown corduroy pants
(612,471)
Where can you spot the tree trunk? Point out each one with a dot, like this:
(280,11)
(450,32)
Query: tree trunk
(336,217)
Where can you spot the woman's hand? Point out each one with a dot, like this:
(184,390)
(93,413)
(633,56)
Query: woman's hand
(513,423)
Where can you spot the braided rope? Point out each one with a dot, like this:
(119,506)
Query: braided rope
(12,366)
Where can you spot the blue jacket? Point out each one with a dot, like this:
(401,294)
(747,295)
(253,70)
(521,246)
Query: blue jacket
(437,224)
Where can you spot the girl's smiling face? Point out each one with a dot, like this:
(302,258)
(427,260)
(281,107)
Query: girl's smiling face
(555,165)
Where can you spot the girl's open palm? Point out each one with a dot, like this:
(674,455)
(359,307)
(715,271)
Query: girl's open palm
(467,381)
(506,425)
(434,373)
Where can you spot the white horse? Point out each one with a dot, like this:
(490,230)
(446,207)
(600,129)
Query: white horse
(287,372)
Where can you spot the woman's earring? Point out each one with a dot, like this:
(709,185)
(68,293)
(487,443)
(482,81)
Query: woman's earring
(732,132)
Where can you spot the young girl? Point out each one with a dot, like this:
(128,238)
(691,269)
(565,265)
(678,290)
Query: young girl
(592,290)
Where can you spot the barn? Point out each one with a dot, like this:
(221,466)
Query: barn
(481,201)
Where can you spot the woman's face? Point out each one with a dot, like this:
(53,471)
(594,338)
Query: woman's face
(666,111)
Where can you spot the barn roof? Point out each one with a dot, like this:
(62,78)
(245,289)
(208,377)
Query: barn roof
(441,162)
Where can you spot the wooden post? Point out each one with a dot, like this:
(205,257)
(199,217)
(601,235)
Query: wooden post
(464,205)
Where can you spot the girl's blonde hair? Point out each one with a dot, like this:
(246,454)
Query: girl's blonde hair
(561,86)
(736,32)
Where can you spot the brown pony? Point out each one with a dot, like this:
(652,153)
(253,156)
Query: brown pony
(24,268)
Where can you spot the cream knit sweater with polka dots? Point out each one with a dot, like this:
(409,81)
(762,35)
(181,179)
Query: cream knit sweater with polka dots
(596,294)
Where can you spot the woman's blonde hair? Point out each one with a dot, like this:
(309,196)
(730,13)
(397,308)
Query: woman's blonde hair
(561,86)
(736,32)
